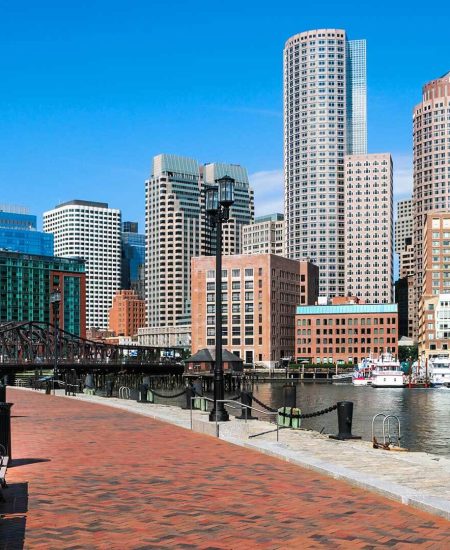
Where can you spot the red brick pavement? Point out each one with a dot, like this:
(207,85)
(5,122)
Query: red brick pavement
(90,476)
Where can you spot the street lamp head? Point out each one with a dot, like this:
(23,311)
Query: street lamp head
(226,191)
(212,200)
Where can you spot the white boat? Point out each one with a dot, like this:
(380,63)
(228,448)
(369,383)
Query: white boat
(388,373)
(343,377)
(362,375)
(439,371)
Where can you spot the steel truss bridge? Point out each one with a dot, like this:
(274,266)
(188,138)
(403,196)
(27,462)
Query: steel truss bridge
(34,345)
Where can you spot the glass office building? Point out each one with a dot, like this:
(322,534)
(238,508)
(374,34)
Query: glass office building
(133,259)
(18,233)
(356,97)
(26,282)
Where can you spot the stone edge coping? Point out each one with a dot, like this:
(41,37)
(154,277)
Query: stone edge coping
(394,491)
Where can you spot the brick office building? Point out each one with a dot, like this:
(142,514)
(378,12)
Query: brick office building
(345,330)
(127,313)
(260,294)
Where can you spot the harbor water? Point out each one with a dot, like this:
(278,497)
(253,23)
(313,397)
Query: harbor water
(424,413)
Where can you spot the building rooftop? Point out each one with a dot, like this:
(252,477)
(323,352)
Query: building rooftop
(83,203)
(270,218)
(346,308)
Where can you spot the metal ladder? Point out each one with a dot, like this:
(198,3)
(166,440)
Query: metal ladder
(388,438)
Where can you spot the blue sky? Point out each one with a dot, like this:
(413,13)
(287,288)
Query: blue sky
(91,90)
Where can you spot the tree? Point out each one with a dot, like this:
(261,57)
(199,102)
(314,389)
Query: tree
(408,353)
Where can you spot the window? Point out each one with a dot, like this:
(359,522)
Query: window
(211,274)
(249,272)
(248,296)
(236,296)
(210,297)
(249,285)
(236,273)
(236,308)
(248,308)
(236,285)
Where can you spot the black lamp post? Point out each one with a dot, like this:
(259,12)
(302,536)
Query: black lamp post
(218,202)
(55,299)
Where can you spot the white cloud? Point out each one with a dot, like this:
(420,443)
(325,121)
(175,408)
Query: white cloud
(403,176)
(268,186)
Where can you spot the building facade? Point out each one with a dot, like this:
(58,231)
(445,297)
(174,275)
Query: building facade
(242,212)
(133,259)
(174,233)
(90,230)
(434,309)
(178,229)
(260,294)
(127,313)
(431,141)
(27,281)
(165,337)
(369,260)
(324,119)
(345,331)
(18,233)
(404,236)
(265,236)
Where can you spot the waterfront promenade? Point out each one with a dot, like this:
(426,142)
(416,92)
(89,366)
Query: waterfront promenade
(87,476)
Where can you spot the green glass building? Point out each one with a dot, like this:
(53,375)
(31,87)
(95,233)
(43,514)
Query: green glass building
(27,281)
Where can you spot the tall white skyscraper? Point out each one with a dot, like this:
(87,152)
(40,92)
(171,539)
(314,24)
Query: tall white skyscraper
(90,230)
(324,119)
(369,227)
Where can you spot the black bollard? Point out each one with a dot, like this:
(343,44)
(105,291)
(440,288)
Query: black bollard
(189,394)
(2,393)
(246,399)
(5,427)
(290,395)
(345,418)
(143,389)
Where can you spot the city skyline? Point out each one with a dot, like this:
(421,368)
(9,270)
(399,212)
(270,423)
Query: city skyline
(84,121)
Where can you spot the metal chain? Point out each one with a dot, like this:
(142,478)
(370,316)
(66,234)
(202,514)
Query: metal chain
(309,415)
(306,415)
(167,396)
(264,405)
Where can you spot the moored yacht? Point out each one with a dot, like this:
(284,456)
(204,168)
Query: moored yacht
(362,375)
(387,372)
(439,371)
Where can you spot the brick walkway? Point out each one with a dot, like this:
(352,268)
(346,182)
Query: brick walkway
(88,476)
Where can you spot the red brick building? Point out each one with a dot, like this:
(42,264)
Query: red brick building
(127,313)
(345,330)
(260,294)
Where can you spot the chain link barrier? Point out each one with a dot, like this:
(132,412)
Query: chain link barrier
(167,396)
(302,416)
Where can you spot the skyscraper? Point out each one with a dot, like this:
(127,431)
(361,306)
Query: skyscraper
(177,229)
(369,227)
(431,137)
(90,230)
(324,119)
(133,259)
(173,226)
(241,212)
(404,237)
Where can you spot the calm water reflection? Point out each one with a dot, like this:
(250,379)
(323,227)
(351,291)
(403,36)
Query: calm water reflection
(424,413)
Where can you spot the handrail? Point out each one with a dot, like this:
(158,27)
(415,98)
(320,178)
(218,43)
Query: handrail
(386,419)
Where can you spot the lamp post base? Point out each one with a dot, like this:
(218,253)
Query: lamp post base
(222,415)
